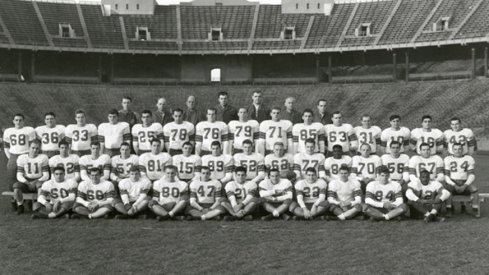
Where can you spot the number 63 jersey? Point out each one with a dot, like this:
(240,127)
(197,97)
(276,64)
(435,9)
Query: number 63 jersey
(341,135)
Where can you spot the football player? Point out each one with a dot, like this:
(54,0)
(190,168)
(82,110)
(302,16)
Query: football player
(309,159)
(50,135)
(383,199)
(242,195)
(345,195)
(143,133)
(463,136)
(70,162)
(209,131)
(112,134)
(279,159)
(134,194)
(426,134)
(425,197)
(243,129)
(170,195)
(32,172)
(340,133)
(365,166)
(311,196)
(460,177)
(277,195)
(398,164)
(81,134)
(395,133)
(205,197)
(332,164)
(56,196)
(152,164)
(253,162)
(178,132)
(122,164)
(94,197)
(434,164)
(275,130)
(308,130)
(188,164)
(220,165)
(368,134)
(95,159)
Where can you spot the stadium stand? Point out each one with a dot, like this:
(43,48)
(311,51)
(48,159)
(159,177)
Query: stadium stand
(477,25)
(104,31)
(161,25)
(215,46)
(271,22)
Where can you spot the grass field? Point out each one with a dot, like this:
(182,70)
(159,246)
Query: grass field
(146,246)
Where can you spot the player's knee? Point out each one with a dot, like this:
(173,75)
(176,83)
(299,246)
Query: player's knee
(18,185)
(404,207)
(365,208)
(288,202)
(357,207)
(472,189)
(293,206)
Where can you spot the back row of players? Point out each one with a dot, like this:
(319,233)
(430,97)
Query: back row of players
(286,147)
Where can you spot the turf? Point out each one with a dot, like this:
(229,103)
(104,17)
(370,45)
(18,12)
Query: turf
(146,246)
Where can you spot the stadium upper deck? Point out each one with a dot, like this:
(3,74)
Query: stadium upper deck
(243,29)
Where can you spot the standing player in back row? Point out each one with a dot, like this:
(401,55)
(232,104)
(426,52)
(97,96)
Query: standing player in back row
(112,134)
(426,134)
(395,133)
(209,131)
(275,130)
(308,130)
(340,133)
(144,132)
(463,136)
(241,130)
(50,135)
(178,132)
(368,134)
(81,134)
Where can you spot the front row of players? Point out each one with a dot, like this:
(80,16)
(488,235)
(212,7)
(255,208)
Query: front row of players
(204,199)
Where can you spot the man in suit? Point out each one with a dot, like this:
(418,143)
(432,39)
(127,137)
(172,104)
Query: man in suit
(257,110)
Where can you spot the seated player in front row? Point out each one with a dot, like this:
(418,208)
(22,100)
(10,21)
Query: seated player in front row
(277,195)
(170,195)
(383,199)
(242,196)
(134,194)
(310,196)
(425,197)
(345,195)
(205,197)
(94,197)
(57,196)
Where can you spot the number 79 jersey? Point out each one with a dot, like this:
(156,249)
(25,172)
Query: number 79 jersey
(205,191)
(341,135)
(207,132)
(311,191)
(81,136)
(241,131)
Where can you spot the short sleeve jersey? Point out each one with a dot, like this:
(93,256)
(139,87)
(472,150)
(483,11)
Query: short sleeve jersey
(208,132)
(50,137)
(17,140)
(241,131)
(153,165)
(32,168)
(341,135)
(177,134)
(311,191)
(240,191)
(169,192)
(389,135)
(275,131)
(71,164)
(134,189)
(143,135)
(81,136)
(301,132)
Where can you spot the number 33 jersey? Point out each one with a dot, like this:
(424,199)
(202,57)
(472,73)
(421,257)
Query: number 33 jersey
(80,136)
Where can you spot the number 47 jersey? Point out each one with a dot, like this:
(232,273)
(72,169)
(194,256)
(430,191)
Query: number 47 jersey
(205,191)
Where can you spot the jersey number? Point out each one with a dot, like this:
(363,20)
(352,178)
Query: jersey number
(246,131)
(210,191)
(20,140)
(214,132)
(182,134)
(340,136)
(46,137)
(174,192)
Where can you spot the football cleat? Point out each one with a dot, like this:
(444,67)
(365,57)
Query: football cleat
(248,218)
(20,209)
(285,217)
(477,212)
(229,218)
(267,218)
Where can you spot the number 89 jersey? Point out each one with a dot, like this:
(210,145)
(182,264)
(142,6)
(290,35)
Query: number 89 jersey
(341,135)
(218,165)
(311,191)
(169,192)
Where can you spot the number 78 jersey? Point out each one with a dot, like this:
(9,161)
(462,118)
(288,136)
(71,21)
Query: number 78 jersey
(341,135)
(177,134)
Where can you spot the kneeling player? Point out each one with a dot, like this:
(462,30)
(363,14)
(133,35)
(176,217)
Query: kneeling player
(170,195)
(205,197)
(134,194)
(277,194)
(345,195)
(311,196)
(383,199)
(57,196)
(94,197)
(242,195)
(426,197)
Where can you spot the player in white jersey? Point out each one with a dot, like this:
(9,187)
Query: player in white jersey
(309,159)
(113,133)
(241,195)
(220,165)
(205,197)
(311,196)
(425,197)
(345,195)
(383,198)
(144,132)
(433,137)
(120,165)
(463,136)
(70,162)
(398,165)
(32,172)
(170,196)
(243,129)
(152,164)
(460,177)
(178,132)
(16,142)
(81,134)
(273,131)
(308,129)
(134,195)
(94,197)
(340,133)
(209,131)
(95,159)
(277,194)
(332,164)
(365,166)
(56,196)
(188,165)
(253,162)
(395,133)
(50,135)
(433,164)
(279,160)
(368,134)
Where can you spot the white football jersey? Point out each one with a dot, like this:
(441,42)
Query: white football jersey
(344,191)
(302,161)
(398,167)
(177,134)
(240,191)
(241,131)
(389,135)
(134,189)
(121,167)
(143,135)
(282,187)
(311,191)
(218,165)
(96,192)
(53,191)
(169,192)
(208,132)
(187,166)
(112,135)
(371,136)
(18,140)
(434,138)
(32,168)
(332,165)
(71,164)
(50,137)
(384,192)
(341,135)
(284,163)
(205,191)
(464,137)
(102,162)
(433,164)
(154,165)
(81,136)
(459,168)
(425,192)
(301,132)
(275,131)
(366,167)
(253,163)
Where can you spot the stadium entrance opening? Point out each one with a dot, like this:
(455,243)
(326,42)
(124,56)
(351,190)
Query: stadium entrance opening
(216,75)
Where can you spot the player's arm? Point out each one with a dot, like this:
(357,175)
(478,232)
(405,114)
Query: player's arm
(231,198)
(448,173)
(296,167)
(252,193)
(399,198)
(20,172)
(411,195)
(261,144)
(290,142)
(126,134)
(412,169)
(217,196)
(256,138)
(383,142)
(228,172)
(287,196)
(470,171)
(471,142)
(226,145)
(295,139)
(443,194)
(412,142)
(143,194)
(106,175)
(370,198)
(333,195)
(355,170)
(45,171)
(357,195)
(43,195)
(322,141)
(261,172)
(440,171)
(113,172)
(352,137)
(198,141)
(193,199)
(300,197)
(101,139)
(81,197)
(109,196)
(6,145)
(135,141)
(322,195)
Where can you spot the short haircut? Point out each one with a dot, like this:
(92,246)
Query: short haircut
(171,167)
(273,170)
(79,111)
(240,169)
(384,169)
(337,146)
(344,167)
(177,110)
(187,143)
(205,168)
(365,144)
(456,119)
(258,92)
(426,117)
(457,144)
(113,112)
(147,112)
(392,117)
(19,114)
(247,141)
(424,171)
(365,115)
(308,111)
(216,143)
(59,168)
(127,97)
(279,143)
(125,144)
(95,169)
(321,100)
(155,140)
(94,143)
(63,142)
(49,114)
(224,93)
(134,168)
(212,109)
(35,141)
(336,113)
(423,145)
(310,169)
(394,143)
(276,108)
(310,140)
